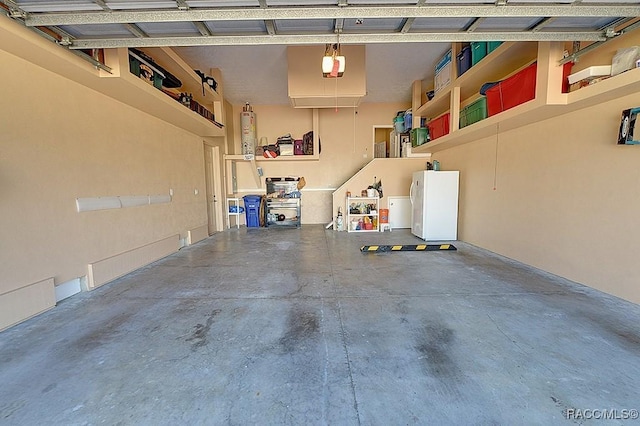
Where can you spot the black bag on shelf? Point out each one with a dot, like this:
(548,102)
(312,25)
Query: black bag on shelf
(307,143)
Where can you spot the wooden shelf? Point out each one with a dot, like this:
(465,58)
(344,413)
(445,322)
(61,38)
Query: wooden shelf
(436,106)
(314,157)
(605,90)
(510,56)
(133,91)
(537,110)
(191,83)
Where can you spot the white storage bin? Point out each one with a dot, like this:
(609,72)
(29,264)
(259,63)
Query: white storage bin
(591,72)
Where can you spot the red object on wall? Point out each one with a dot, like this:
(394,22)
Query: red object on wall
(566,71)
(512,91)
(438,126)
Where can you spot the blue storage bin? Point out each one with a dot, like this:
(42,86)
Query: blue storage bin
(252,210)
(464,60)
(408,121)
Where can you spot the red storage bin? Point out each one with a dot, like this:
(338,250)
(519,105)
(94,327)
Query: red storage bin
(438,126)
(512,91)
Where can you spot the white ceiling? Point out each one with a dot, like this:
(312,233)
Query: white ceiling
(258,74)
(247,39)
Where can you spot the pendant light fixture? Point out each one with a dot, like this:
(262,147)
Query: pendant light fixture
(333,63)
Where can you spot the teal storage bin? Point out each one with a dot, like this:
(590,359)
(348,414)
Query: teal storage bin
(492,45)
(473,112)
(398,123)
(478,51)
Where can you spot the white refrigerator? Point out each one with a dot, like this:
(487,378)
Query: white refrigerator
(434,205)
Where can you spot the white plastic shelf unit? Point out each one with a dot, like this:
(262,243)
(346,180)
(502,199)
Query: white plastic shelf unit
(233,203)
(361,208)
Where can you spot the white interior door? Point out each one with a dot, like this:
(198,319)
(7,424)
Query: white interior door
(211,163)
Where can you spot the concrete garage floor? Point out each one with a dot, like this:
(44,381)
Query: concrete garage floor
(296,326)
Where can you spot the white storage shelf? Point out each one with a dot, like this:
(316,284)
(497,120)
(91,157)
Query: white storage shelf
(289,207)
(371,206)
(283,200)
(233,202)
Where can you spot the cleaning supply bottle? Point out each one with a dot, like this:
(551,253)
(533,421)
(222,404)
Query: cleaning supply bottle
(339,220)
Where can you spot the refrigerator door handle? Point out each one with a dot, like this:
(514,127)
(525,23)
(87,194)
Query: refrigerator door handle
(411,193)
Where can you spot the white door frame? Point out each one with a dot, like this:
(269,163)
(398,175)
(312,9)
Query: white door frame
(373,137)
(214,192)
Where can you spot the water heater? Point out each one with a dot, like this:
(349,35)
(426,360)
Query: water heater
(248,126)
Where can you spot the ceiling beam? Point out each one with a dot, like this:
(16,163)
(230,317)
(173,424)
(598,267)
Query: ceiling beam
(406,25)
(136,31)
(182,5)
(269,24)
(474,25)
(408,22)
(296,39)
(103,5)
(338,23)
(346,12)
(202,28)
(541,24)
(271,27)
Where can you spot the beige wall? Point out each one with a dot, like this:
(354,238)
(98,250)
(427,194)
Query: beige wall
(567,198)
(60,141)
(347,145)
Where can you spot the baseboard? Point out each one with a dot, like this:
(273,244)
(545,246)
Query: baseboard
(23,303)
(197,234)
(106,270)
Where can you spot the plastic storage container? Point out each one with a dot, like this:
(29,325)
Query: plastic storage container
(442,73)
(418,136)
(478,51)
(408,120)
(513,91)
(463,60)
(473,112)
(142,70)
(384,215)
(252,210)
(398,123)
(492,45)
(439,126)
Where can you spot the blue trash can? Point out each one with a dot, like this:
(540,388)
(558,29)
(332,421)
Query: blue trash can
(252,210)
